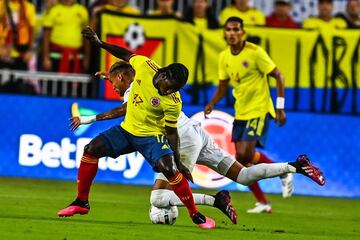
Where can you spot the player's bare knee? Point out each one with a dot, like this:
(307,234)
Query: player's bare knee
(160,198)
(166,167)
(95,148)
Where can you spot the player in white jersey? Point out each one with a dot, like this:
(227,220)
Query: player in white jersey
(197,147)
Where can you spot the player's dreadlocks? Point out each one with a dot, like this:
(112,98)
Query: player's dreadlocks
(178,72)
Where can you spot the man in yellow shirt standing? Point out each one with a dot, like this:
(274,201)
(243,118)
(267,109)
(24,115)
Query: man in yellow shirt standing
(325,21)
(246,67)
(62,43)
(150,127)
(241,8)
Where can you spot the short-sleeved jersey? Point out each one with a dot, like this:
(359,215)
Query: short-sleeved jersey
(66,23)
(250,17)
(319,24)
(247,73)
(147,111)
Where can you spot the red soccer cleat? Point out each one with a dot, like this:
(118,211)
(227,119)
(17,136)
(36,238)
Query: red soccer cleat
(305,167)
(203,221)
(76,207)
(222,202)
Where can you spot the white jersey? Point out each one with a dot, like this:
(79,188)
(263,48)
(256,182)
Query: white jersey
(196,146)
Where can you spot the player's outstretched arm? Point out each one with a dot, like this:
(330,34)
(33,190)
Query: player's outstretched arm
(117,51)
(219,94)
(76,121)
(113,113)
(280,100)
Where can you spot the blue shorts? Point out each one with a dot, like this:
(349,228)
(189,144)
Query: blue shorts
(118,142)
(251,130)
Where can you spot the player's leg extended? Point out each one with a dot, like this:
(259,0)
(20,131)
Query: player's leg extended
(181,187)
(244,153)
(86,174)
(163,196)
(109,143)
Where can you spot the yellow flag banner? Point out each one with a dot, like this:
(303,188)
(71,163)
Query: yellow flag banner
(321,70)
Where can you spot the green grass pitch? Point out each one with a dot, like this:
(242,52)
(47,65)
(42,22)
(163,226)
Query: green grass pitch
(28,211)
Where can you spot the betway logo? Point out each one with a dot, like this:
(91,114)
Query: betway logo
(33,152)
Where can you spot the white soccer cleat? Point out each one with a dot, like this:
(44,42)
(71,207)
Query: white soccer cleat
(260,208)
(287,185)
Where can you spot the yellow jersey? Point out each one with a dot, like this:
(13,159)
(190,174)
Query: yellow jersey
(66,23)
(201,24)
(250,17)
(326,26)
(247,73)
(147,111)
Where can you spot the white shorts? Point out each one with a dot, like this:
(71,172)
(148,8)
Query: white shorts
(197,147)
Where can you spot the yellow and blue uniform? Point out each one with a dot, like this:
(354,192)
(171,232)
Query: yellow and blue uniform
(247,73)
(147,114)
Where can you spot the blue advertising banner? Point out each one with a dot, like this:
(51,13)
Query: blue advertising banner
(36,142)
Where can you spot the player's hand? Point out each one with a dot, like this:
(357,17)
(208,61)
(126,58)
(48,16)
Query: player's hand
(81,120)
(185,172)
(104,75)
(75,123)
(280,117)
(208,108)
(91,35)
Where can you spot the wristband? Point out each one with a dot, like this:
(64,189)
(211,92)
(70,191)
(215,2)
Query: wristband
(87,119)
(280,103)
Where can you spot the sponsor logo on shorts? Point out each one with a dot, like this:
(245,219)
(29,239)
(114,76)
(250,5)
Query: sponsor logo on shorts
(218,125)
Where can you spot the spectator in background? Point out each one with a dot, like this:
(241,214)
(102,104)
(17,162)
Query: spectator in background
(165,8)
(325,21)
(5,45)
(352,15)
(62,42)
(17,33)
(242,9)
(119,6)
(113,5)
(281,18)
(200,15)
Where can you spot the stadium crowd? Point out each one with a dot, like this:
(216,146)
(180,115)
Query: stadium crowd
(51,40)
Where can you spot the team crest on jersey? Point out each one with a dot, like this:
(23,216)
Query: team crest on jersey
(155,101)
(245,63)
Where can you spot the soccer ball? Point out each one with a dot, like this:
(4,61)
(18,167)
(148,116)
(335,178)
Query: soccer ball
(163,215)
(134,36)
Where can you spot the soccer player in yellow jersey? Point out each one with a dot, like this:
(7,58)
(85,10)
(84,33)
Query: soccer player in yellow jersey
(150,127)
(246,67)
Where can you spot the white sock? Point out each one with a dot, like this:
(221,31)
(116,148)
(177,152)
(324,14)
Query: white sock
(264,170)
(199,199)
(163,198)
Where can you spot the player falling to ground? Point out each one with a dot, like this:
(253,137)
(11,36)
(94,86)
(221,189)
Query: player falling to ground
(150,127)
(197,147)
(246,67)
